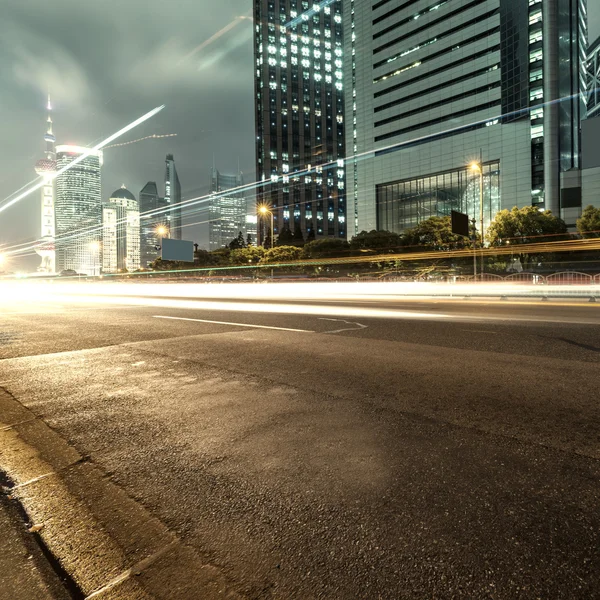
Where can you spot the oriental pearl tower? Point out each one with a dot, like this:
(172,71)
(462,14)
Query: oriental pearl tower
(46,168)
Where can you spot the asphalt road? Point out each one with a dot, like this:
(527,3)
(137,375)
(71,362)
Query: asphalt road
(448,450)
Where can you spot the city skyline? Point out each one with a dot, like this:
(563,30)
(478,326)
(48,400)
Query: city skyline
(98,87)
(92,101)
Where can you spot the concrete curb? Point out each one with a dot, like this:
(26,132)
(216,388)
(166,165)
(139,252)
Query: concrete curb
(108,543)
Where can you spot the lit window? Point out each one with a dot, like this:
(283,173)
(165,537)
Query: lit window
(535,36)
(537,113)
(317,54)
(536,93)
(535,17)
(535,75)
(272,49)
(537,132)
(536,55)
(305,63)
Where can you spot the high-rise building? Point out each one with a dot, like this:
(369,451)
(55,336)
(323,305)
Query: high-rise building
(593,79)
(46,168)
(120,232)
(154,215)
(299,96)
(173,198)
(228,209)
(432,87)
(78,209)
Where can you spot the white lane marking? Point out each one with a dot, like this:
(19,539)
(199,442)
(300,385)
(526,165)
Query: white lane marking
(34,480)
(236,324)
(359,328)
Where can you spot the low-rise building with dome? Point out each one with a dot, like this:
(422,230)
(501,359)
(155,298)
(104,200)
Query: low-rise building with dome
(121,232)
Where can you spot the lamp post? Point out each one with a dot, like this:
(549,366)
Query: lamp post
(478,166)
(265,210)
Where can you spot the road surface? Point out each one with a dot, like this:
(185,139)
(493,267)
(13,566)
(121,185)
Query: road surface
(449,451)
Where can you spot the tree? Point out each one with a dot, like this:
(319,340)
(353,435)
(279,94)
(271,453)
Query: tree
(249,241)
(267,240)
(237,242)
(326,247)
(282,254)
(380,241)
(311,235)
(435,233)
(588,224)
(246,256)
(524,226)
(298,236)
(286,237)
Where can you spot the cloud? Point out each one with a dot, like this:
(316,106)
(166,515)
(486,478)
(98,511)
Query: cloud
(39,63)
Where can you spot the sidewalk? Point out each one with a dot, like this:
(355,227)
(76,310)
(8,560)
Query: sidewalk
(25,574)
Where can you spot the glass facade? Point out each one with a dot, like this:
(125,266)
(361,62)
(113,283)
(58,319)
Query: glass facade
(227,211)
(593,79)
(404,204)
(78,210)
(149,203)
(430,85)
(300,149)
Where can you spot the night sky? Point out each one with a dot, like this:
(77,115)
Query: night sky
(108,62)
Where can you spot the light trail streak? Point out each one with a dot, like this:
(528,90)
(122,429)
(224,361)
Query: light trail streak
(83,156)
(279,298)
(148,137)
(214,37)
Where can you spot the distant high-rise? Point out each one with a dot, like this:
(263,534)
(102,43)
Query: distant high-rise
(227,210)
(120,232)
(173,198)
(78,210)
(593,79)
(153,215)
(299,96)
(46,168)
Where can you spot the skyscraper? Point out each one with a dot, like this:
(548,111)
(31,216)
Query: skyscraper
(299,96)
(593,79)
(153,214)
(173,198)
(227,211)
(46,168)
(120,232)
(430,86)
(78,210)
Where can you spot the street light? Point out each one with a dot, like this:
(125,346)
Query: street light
(478,167)
(162,231)
(265,210)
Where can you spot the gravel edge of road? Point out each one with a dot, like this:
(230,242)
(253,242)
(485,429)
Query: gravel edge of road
(108,543)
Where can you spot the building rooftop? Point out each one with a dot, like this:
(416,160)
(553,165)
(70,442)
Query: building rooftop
(123,192)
